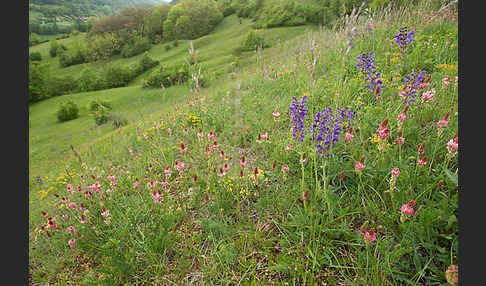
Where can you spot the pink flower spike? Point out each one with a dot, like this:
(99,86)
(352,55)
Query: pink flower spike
(443,123)
(288,148)
(396,172)
(69,188)
(70,229)
(243,161)
(370,235)
(71,242)
(211,135)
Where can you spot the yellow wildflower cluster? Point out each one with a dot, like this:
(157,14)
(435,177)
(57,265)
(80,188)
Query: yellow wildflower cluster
(446,67)
(254,178)
(192,118)
(169,148)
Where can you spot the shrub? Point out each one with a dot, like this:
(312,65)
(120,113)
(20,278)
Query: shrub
(253,39)
(97,104)
(79,57)
(35,56)
(68,110)
(101,115)
(58,85)
(168,47)
(56,48)
(168,76)
(117,76)
(175,43)
(136,45)
(34,39)
(119,121)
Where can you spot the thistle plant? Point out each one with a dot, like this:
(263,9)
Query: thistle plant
(365,65)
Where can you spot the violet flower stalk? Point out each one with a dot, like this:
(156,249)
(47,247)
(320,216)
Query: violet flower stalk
(402,38)
(327,127)
(412,83)
(298,111)
(365,65)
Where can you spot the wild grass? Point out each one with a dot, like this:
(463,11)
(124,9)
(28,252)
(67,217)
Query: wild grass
(205,224)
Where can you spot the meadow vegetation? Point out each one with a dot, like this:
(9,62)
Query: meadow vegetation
(329,156)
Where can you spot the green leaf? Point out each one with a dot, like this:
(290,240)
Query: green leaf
(452,176)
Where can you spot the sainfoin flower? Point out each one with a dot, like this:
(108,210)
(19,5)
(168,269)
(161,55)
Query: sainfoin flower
(276,114)
(178,165)
(71,242)
(360,165)
(383,131)
(370,235)
(395,172)
(422,161)
(298,111)
(70,229)
(407,210)
(453,145)
(243,161)
(444,122)
(428,95)
(452,275)
(349,134)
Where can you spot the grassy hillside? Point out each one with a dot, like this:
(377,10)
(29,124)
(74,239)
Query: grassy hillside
(370,214)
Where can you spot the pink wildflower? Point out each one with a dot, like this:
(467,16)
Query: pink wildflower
(211,135)
(444,122)
(396,172)
(200,134)
(167,171)
(383,131)
(446,81)
(276,114)
(360,165)
(370,235)
(288,148)
(428,95)
(183,148)
(452,145)
(179,165)
(135,185)
(70,229)
(69,188)
(106,213)
(243,161)
(422,161)
(71,242)
(285,168)
(349,134)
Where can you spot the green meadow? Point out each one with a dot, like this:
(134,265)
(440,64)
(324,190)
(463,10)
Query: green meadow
(284,169)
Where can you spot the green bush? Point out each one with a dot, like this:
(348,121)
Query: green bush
(68,110)
(168,76)
(117,76)
(101,115)
(97,104)
(35,56)
(175,43)
(56,48)
(79,57)
(253,39)
(168,47)
(119,121)
(34,39)
(57,85)
(135,46)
